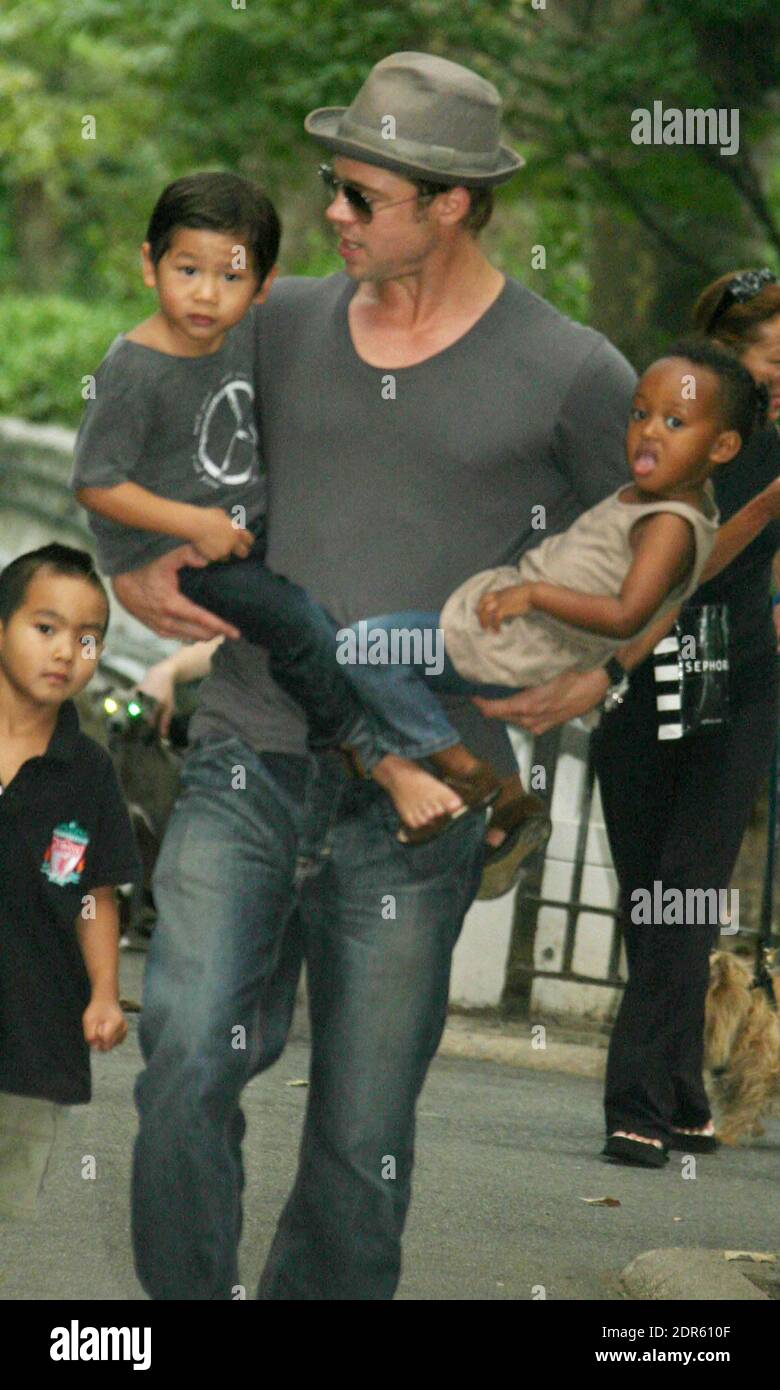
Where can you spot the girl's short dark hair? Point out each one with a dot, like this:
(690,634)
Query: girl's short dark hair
(15,578)
(217,203)
(744,401)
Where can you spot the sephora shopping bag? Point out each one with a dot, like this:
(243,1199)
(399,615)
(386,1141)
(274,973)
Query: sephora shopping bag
(692,672)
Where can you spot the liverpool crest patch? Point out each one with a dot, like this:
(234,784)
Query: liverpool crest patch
(63,861)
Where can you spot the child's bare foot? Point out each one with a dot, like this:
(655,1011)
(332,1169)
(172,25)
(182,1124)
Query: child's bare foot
(417,796)
(460,761)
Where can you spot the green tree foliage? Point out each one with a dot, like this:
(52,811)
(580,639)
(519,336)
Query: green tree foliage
(50,344)
(173,86)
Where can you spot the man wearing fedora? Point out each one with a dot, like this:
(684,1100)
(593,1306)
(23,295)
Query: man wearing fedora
(416,411)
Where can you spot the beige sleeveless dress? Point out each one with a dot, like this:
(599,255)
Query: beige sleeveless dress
(593,557)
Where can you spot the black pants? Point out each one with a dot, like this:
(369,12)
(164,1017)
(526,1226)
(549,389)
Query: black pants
(297,633)
(675,813)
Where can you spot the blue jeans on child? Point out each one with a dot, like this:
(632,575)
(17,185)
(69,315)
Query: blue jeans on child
(382,706)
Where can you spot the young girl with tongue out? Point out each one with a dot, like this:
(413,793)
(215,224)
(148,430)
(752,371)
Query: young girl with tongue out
(570,602)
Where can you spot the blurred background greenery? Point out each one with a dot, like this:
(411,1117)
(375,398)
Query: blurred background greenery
(631,233)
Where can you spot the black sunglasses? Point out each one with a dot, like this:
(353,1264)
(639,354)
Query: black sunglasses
(354,196)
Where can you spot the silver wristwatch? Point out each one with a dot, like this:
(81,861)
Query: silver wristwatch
(618,685)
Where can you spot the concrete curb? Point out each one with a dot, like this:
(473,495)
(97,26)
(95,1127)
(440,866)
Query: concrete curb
(688,1275)
(462,1039)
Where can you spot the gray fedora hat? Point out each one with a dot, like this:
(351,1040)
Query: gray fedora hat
(424,117)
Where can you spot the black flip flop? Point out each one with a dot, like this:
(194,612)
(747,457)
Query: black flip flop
(634,1153)
(694,1143)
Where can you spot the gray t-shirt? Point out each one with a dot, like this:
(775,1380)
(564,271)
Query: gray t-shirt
(183,427)
(388,488)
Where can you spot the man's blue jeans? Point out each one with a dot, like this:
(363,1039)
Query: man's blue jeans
(267,860)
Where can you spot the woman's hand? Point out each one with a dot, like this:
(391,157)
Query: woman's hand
(151,593)
(499,604)
(556,702)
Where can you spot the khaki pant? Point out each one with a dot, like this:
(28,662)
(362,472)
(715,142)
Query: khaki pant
(28,1129)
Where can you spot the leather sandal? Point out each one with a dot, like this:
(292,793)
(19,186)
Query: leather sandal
(351,760)
(477,789)
(527,827)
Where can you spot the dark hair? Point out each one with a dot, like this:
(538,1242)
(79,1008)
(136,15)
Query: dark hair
(60,559)
(740,323)
(217,203)
(744,401)
(480,206)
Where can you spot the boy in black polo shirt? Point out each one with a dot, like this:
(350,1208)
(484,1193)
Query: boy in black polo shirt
(65,842)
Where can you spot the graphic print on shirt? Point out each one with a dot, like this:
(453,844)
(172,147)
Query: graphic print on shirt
(226,435)
(63,861)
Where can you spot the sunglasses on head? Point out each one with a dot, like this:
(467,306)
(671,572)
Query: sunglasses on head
(356,198)
(740,289)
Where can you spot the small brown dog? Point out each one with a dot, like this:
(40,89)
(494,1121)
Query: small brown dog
(741,1048)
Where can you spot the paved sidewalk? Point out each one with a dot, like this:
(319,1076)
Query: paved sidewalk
(579,1049)
(508,1188)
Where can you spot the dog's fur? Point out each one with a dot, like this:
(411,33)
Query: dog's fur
(741,1048)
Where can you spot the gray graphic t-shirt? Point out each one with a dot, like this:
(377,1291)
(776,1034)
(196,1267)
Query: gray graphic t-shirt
(390,486)
(183,427)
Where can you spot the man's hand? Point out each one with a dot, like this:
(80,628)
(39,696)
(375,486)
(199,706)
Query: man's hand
(151,594)
(216,538)
(546,706)
(499,604)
